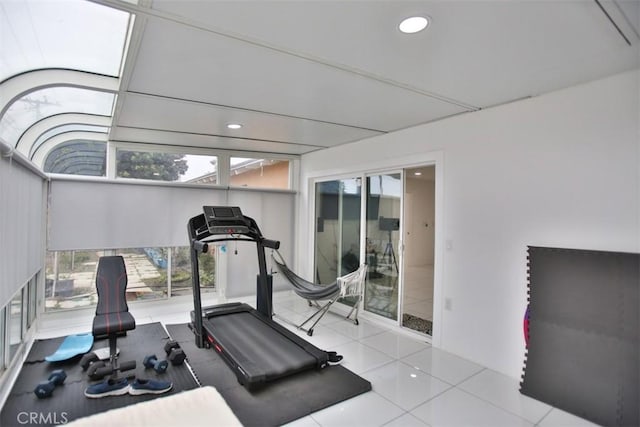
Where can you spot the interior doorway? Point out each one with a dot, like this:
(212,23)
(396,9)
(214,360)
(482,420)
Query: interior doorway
(419,249)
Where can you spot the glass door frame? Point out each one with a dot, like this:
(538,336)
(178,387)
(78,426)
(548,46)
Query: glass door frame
(340,219)
(442,244)
(398,253)
(362,176)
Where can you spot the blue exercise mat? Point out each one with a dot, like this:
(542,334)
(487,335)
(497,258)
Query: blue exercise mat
(73,345)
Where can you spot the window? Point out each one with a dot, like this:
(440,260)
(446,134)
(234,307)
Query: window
(70,279)
(163,166)
(207,266)
(24,327)
(181,280)
(151,273)
(33,300)
(259,173)
(78,158)
(15,324)
(180,271)
(146,272)
(3,340)
(201,169)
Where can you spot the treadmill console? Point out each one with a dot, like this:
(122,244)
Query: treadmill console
(226,220)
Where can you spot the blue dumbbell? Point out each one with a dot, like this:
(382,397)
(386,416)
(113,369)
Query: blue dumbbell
(45,388)
(160,366)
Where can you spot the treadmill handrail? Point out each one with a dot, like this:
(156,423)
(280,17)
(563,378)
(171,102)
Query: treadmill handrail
(268,243)
(199,234)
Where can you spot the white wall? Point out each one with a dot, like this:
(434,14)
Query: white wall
(556,170)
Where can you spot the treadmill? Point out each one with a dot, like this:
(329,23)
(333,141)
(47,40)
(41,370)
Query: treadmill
(255,347)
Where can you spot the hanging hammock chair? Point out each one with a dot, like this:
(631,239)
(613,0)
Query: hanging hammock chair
(349,285)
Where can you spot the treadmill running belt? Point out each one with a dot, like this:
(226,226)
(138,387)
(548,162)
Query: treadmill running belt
(256,348)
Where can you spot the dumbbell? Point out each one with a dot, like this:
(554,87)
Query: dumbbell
(100,369)
(45,388)
(160,366)
(88,359)
(175,354)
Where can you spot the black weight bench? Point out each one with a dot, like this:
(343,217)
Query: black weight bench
(112,312)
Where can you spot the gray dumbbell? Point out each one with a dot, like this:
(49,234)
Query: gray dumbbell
(171,345)
(175,354)
(88,359)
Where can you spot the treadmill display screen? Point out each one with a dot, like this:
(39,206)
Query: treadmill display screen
(225,220)
(224,211)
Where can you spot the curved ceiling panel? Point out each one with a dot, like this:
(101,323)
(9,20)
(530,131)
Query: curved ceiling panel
(50,101)
(76,34)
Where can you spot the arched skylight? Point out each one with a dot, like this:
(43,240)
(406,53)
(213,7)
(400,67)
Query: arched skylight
(71,127)
(71,34)
(54,52)
(47,102)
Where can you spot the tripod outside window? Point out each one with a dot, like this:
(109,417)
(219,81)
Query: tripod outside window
(389,225)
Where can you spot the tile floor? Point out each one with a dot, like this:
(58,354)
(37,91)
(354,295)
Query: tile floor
(418,292)
(413,383)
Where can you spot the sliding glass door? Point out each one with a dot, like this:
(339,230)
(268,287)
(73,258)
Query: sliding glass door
(386,219)
(339,243)
(337,228)
(383,206)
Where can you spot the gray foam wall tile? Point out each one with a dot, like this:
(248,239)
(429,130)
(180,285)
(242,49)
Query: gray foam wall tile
(583,351)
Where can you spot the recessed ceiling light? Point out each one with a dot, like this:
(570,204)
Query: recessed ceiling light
(413,24)
(234,125)
(417,173)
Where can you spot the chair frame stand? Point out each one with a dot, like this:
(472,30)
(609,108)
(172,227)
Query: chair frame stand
(113,357)
(323,309)
(348,285)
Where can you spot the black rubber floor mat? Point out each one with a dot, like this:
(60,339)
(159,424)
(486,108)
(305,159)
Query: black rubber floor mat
(279,402)
(68,401)
(583,355)
(43,348)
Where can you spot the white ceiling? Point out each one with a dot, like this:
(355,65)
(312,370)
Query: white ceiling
(303,75)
